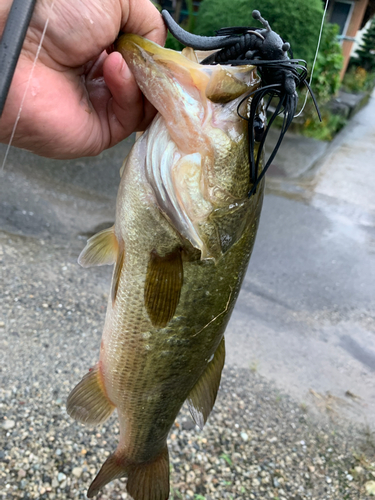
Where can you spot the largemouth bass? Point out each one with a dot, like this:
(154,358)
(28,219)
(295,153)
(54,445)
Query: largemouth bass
(181,243)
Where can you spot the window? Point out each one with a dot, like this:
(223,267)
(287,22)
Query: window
(341,14)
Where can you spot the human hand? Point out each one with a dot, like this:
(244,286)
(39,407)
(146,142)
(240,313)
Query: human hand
(80,100)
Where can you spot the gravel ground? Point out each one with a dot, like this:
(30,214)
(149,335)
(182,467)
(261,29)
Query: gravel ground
(257,444)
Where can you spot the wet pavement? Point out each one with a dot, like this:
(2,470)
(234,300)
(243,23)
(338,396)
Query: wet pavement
(315,265)
(305,318)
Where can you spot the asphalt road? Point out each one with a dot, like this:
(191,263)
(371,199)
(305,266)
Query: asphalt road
(304,321)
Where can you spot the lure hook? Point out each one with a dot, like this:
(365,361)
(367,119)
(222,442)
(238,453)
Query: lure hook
(281,76)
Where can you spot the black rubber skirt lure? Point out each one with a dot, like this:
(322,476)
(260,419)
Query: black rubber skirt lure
(281,77)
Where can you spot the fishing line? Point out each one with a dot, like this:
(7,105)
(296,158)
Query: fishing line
(315,58)
(27,86)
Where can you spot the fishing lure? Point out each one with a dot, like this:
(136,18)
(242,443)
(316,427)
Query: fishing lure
(281,77)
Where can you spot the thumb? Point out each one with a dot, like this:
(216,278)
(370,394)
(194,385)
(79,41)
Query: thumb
(128,109)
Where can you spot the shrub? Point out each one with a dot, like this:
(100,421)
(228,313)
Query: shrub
(326,79)
(296,21)
(360,76)
(365,56)
(325,84)
(172,43)
(187,24)
(324,130)
(357,79)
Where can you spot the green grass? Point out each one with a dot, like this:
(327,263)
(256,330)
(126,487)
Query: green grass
(227,459)
(174,494)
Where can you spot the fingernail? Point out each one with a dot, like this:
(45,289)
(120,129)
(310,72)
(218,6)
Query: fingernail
(122,67)
(125,71)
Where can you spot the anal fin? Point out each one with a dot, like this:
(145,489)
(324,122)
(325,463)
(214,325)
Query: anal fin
(88,402)
(100,250)
(146,481)
(203,395)
(163,286)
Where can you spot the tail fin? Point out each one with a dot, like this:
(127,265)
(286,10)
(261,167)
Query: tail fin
(146,481)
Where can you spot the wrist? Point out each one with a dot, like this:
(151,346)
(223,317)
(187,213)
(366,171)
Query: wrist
(10,111)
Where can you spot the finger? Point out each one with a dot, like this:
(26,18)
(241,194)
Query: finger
(127,109)
(144,19)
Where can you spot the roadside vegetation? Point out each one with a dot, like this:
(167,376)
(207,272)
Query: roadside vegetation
(360,76)
(325,85)
(289,19)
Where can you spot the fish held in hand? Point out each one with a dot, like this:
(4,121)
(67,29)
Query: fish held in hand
(181,243)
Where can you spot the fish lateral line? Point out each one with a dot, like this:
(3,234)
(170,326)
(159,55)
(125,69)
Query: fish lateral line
(216,317)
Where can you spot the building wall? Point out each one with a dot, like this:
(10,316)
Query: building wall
(354,25)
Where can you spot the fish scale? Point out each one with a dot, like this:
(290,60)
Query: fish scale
(181,243)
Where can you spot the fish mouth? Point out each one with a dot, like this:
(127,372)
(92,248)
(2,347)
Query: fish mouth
(159,71)
(135,50)
(198,120)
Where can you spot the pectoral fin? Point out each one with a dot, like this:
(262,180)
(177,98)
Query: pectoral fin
(203,395)
(163,286)
(101,249)
(88,402)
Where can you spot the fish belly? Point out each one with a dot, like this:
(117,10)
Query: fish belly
(149,370)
